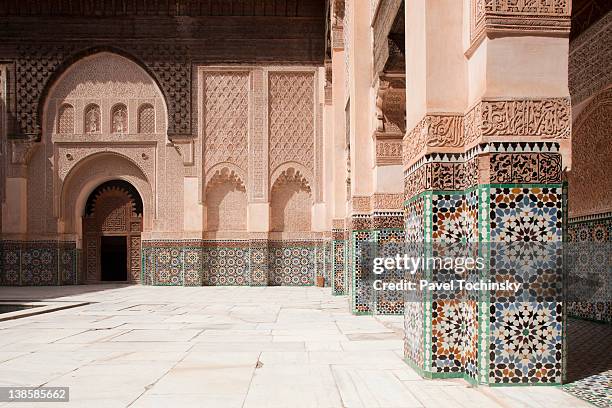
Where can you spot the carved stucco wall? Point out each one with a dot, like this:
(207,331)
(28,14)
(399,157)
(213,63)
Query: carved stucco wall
(589,181)
(291,119)
(590,60)
(118,90)
(258,123)
(226,107)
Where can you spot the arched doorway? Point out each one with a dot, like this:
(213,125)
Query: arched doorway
(112,225)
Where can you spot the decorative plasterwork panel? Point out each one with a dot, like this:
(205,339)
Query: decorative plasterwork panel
(537,118)
(338,224)
(528,16)
(590,60)
(347,31)
(388,150)
(361,204)
(226,118)
(37,64)
(435,130)
(589,180)
(387,201)
(291,118)
(258,142)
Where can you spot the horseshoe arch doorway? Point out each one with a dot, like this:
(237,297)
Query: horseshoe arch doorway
(112,226)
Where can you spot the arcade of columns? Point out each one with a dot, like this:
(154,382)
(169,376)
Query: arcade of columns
(467,141)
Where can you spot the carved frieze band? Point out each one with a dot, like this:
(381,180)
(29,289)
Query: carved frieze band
(539,118)
(504,163)
(387,201)
(361,204)
(388,149)
(549,16)
(436,130)
(338,224)
(377,202)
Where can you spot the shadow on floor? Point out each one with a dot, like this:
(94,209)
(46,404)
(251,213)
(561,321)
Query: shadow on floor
(588,349)
(32,293)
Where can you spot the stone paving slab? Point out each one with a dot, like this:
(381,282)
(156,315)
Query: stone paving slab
(137,346)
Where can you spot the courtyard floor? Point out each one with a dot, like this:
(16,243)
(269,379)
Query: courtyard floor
(286,347)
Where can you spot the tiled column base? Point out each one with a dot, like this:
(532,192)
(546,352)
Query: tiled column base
(588,287)
(360,287)
(489,337)
(322,258)
(338,247)
(38,263)
(376,233)
(389,236)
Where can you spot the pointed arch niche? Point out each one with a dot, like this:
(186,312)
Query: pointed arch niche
(291,202)
(226,201)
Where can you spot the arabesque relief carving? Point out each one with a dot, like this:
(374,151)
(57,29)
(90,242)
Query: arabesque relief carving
(435,130)
(226,107)
(291,118)
(388,150)
(590,60)
(591,164)
(541,118)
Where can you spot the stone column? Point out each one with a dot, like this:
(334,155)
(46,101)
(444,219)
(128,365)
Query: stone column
(358,16)
(388,77)
(488,124)
(339,173)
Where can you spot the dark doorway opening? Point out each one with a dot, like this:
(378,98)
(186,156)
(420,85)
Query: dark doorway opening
(113,256)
